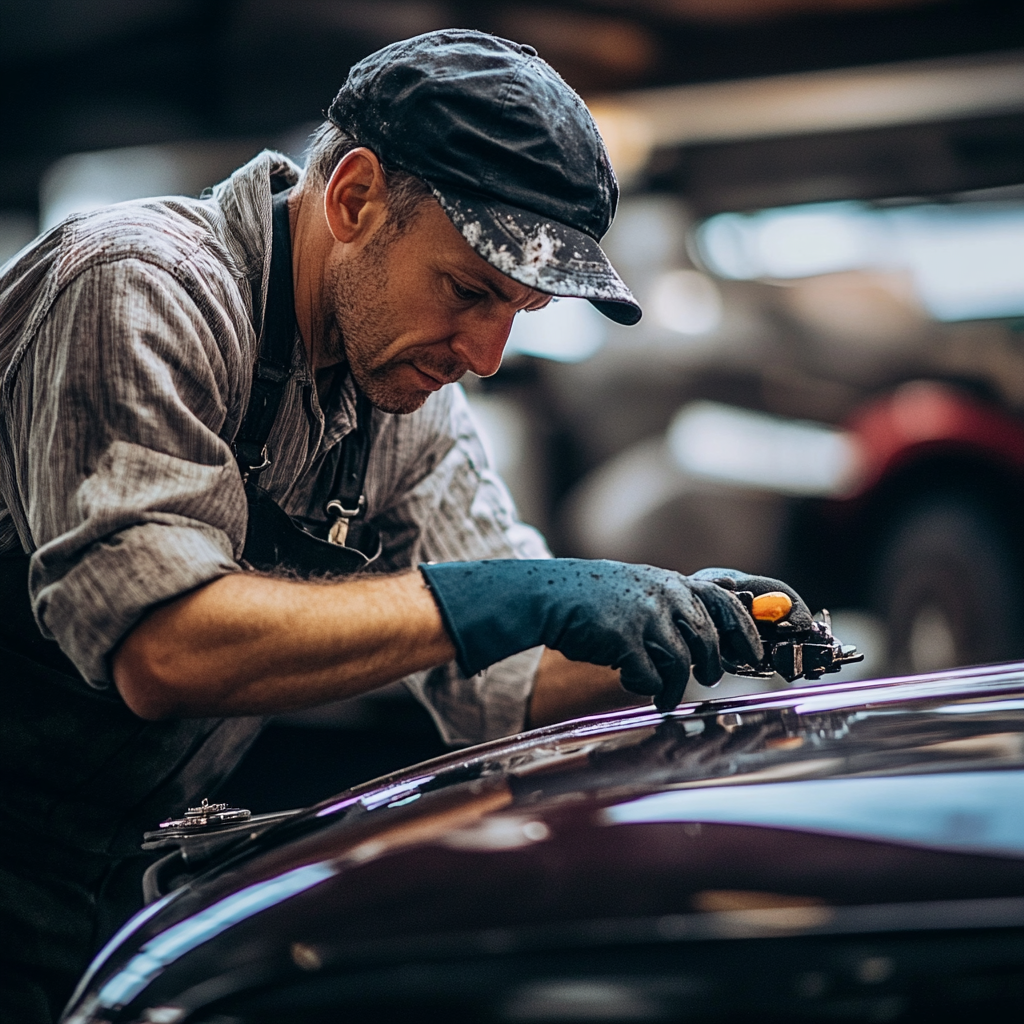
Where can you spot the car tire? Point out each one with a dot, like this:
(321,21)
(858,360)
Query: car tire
(947,587)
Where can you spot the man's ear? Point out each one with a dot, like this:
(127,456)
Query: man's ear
(355,199)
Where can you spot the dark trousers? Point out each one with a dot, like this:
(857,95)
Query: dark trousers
(57,909)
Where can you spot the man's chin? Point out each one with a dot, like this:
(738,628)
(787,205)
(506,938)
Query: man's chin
(403,407)
(395,390)
(396,401)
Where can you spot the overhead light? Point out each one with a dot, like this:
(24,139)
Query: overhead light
(967,260)
(722,442)
(799,241)
(964,260)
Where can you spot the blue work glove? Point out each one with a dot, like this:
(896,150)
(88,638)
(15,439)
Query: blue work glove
(649,623)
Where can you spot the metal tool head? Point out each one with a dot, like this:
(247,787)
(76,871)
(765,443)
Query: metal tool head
(797,653)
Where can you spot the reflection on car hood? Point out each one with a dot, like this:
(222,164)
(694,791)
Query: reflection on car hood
(980,812)
(883,805)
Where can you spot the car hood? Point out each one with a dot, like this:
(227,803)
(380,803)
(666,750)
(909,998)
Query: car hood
(896,804)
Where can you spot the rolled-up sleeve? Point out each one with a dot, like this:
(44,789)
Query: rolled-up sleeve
(459,509)
(129,491)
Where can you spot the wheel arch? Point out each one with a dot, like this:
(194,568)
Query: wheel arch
(923,443)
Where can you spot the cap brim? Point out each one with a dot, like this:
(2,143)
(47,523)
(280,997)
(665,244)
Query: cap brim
(540,253)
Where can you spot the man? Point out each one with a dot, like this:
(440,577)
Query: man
(194,389)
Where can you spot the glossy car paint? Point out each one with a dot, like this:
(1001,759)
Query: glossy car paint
(807,816)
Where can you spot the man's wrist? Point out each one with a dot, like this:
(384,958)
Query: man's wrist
(564,689)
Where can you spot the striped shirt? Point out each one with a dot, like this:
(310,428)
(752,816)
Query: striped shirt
(127,341)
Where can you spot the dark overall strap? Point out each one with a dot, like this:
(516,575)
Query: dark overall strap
(273,365)
(348,498)
(271,374)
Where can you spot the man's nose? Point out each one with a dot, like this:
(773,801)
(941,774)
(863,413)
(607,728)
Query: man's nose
(481,346)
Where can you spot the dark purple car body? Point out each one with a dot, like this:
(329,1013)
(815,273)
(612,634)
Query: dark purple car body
(844,852)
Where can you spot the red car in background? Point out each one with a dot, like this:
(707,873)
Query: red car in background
(936,521)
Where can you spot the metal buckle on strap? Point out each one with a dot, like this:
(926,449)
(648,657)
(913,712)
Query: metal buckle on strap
(246,463)
(338,532)
(265,461)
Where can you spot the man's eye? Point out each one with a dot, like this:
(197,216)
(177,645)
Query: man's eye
(466,294)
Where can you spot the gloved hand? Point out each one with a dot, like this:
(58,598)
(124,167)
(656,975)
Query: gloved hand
(733,579)
(799,614)
(649,623)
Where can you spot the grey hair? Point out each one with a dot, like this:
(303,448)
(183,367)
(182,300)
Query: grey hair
(328,145)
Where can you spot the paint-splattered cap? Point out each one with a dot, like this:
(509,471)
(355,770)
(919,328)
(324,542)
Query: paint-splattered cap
(510,151)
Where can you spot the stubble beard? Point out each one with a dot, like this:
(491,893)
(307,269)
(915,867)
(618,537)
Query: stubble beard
(356,330)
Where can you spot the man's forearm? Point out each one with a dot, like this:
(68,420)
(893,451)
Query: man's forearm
(251,645)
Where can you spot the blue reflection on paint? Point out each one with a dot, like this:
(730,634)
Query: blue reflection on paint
(974,812)
(379,797)
(185,936)
(129,928)
(405,800)
(981,707)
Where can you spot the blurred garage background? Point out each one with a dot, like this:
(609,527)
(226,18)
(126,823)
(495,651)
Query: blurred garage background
(822,215)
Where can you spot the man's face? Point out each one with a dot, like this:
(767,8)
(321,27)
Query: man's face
(412,311)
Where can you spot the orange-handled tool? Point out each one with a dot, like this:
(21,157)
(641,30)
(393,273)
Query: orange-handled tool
(771,607)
